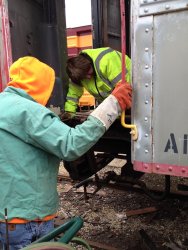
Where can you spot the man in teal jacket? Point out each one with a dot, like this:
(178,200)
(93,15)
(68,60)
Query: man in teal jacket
(98,71)
(33,142)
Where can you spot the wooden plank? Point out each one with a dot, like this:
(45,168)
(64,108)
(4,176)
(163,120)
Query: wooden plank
(141,211)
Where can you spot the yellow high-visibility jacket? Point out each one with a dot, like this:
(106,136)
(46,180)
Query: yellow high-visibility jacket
(108,68)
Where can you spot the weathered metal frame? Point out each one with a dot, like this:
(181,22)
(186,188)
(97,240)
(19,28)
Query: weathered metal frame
(5,45)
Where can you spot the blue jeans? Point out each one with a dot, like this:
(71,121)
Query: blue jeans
(21,235)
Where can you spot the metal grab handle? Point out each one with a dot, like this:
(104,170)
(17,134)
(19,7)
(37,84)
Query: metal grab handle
(134,131)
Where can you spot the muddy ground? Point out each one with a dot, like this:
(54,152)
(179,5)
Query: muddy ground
(127,219)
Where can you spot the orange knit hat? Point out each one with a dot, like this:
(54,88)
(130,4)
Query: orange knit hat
(34,77)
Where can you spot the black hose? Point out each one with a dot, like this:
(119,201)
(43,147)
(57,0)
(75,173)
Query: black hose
(7,234)
(98,89)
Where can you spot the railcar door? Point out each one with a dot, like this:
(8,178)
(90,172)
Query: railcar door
(160,75)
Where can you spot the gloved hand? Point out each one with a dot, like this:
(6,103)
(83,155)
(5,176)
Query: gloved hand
(123,93)
(67,116)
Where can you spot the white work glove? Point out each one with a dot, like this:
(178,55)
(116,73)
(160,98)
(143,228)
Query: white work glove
(120,99)
(107,111)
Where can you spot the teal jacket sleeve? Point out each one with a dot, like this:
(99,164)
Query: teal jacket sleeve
(47,131)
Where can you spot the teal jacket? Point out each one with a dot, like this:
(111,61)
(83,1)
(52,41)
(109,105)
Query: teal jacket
(33,142)
(108,68)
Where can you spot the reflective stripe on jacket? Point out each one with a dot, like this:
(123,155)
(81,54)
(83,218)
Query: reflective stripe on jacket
(108,67)
(34,140)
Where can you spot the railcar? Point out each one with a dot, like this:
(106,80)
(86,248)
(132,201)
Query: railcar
(156,41)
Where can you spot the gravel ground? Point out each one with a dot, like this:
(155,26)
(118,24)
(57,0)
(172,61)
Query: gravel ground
(108,218)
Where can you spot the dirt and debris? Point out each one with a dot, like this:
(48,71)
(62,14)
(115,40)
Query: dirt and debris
(124,219)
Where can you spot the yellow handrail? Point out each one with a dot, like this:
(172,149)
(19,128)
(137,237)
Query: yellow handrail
(134,131)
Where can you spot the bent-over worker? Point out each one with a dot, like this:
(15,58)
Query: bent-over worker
(98,71)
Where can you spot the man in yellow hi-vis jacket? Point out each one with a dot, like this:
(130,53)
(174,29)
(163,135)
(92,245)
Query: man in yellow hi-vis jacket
(96,70)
